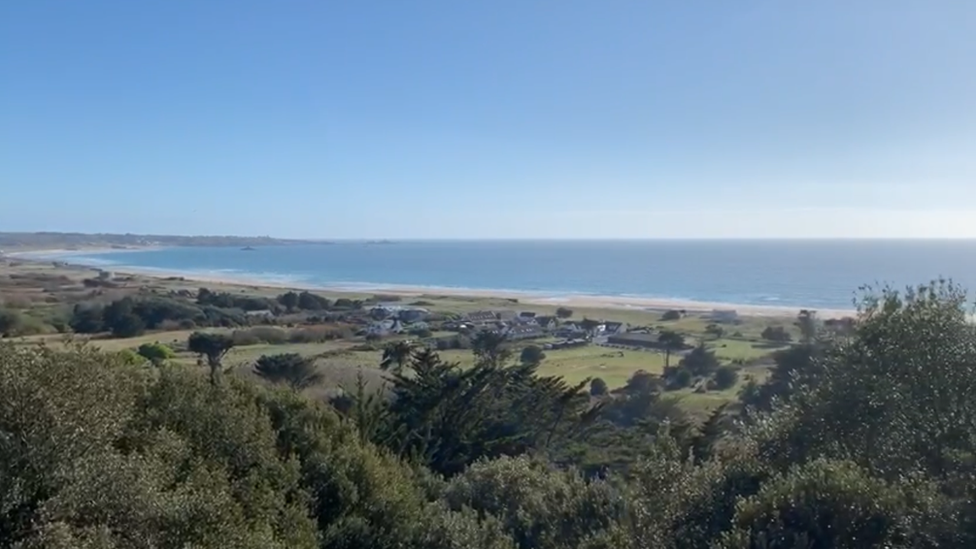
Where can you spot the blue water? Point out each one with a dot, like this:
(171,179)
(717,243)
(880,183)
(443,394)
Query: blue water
(824,274)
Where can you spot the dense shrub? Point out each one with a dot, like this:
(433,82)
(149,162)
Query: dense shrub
(542,508)
(598,387)
(298,371)
(725,377)
(103,461)
(681,379)
(155,352)
(700,362)
(834,504)
(312,302)
(226,300)
(671,315)
(15,323)
(777,334)
(532,354)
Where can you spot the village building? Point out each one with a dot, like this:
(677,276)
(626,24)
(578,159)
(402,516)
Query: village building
(413,314)
(547,323)
(506,316)
(481,317)
(523,331)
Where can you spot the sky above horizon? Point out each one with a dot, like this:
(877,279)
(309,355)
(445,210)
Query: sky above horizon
(504,119)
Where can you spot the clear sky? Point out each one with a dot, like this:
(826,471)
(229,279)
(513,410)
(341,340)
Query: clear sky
(498,119)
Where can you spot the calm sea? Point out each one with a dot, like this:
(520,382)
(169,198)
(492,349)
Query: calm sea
(823,274)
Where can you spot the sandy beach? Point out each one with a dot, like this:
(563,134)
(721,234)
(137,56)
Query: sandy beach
(534,298)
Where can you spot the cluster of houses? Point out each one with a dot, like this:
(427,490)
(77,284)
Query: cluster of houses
(390,319)
(530,325)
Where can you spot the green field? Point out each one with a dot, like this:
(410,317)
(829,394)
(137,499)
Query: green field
(737,349)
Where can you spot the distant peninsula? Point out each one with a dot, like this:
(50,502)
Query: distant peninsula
(12,242)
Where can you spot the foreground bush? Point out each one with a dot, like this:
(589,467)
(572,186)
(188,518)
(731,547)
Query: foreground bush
(98,452)
(542,508)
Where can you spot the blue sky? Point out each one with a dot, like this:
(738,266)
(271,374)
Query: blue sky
(501,119)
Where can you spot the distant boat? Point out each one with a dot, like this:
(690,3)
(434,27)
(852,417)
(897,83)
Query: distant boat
(247,249)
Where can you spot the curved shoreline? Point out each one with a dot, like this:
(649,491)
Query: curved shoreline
(585,301)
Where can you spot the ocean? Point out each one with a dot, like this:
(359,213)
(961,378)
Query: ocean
(815,274)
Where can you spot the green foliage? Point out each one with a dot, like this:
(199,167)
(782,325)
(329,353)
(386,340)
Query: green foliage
(542,508)
(156,352)
(884,397)
(397,355)
(808,324)
(128,317)
(130,357)
(532,354)
(490,348)
(700,362)
(671,315)
(347,304)
(726,377)
(90,465)
(833,504)
(672,341)
(796,367)
(226,300)
(86,319)
(680,379)
(448,417)
(564,312)
(312,302)
(598,387)
(211,346)
(289,300)
(9,322)
(297,371)
(715,331)
(777,334)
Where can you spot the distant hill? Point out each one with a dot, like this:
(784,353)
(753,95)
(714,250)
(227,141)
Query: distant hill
(50,240)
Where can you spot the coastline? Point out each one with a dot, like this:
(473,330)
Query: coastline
(57,254)
(580,301)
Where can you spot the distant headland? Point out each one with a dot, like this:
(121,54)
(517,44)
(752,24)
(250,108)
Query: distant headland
(15,242)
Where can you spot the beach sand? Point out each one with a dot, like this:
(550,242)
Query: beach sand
(532,298)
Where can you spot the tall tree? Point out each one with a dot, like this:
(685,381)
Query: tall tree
(448,417)
(806,321)
(396,355)
(213,347)
(490,348)
(671,341)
